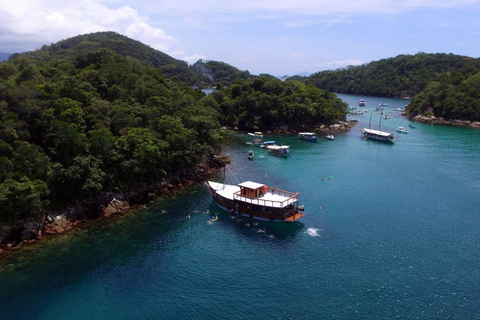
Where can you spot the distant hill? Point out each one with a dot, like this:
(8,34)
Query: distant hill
(122,45)
(401,76)
(4,56)
(219,72)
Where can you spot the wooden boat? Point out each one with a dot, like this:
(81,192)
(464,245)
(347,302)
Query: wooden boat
(256,200)
(279,150)
(308,136)
(377,134)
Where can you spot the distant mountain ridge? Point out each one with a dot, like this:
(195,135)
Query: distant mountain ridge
(120,44)
(204,73)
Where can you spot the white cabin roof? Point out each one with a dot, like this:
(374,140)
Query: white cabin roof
(251,185)
(307,133)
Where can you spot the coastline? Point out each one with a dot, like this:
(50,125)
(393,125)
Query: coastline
(104,206)
(114,204)
(439,120)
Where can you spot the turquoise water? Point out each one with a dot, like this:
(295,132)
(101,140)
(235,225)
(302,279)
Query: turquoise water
(397,238)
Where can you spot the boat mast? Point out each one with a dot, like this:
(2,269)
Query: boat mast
(380,125)
(370,123)
(224,175)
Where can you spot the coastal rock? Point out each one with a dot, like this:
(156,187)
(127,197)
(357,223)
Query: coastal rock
(116,207)
(440,120)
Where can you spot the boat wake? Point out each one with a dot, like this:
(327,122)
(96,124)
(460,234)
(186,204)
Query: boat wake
(313,232)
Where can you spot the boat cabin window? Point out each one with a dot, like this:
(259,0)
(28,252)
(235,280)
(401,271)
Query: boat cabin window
(252,193)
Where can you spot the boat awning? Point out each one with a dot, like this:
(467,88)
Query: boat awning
(251,185)
(278,147)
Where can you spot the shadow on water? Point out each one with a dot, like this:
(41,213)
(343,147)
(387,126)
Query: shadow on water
(256,230)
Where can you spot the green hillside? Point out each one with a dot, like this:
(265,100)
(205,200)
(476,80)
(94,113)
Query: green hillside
(401,76)
(122,45)
(75,128)
(219,72)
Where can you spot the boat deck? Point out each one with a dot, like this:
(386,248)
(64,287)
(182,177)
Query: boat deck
(274,198)
(269,200)
(224,190)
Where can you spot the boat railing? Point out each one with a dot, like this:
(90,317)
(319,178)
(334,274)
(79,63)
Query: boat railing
(290,198)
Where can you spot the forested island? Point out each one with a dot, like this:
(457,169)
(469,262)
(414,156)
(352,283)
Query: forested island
(440,85)
(83,124)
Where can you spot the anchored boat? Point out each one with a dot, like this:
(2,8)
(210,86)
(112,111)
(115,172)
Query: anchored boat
(279,150)
(377,134)
(309,136)
(256,200)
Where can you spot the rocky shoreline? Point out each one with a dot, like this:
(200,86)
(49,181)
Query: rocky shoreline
(440,120)
(104,206)
(110,204)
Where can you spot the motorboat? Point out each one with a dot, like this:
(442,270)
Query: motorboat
(402,130)
(279,150)
(309,136)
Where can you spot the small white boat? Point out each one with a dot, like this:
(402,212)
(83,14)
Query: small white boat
(279,150)
(330,136)
(362,103)
(402,130)
(256,134)
(254,143)
(267,143)
(250,155)
(309,136)
(383,104)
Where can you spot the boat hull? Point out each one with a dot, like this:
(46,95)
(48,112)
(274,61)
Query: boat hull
(253,211)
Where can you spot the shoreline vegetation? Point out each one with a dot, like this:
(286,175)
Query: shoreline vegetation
(112,204)
(102,207)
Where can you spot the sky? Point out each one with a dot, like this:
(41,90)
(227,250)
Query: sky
(278,37)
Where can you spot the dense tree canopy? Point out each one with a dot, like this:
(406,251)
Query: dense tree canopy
(452,97)
(219,72)
(266,102)
(401,76)
(73,128)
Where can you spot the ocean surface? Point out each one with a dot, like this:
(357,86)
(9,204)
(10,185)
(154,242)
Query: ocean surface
(390,231)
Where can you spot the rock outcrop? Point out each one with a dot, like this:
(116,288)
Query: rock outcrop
(440,120)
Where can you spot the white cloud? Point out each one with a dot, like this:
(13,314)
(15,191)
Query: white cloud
(42,22)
